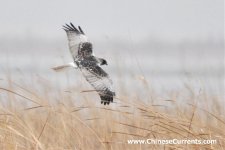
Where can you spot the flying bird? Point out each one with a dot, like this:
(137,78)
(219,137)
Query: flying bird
(81,50)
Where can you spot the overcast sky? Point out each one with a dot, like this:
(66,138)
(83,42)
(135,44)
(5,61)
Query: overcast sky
(167,19)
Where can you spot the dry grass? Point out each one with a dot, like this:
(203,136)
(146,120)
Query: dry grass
(57,120)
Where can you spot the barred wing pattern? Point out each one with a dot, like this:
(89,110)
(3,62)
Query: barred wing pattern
(101,82)
(75,38)
(81,50)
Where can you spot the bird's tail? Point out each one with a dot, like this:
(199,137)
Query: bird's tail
(64,67)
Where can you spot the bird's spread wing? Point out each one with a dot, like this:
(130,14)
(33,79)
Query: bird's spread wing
(75,38)
(101,82)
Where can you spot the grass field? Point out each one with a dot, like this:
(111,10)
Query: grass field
(38,116)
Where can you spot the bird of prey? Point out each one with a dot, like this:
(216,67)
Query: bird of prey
(83,58)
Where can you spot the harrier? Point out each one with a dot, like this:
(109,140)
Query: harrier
(83,58)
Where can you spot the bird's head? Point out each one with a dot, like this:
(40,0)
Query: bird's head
(103,62)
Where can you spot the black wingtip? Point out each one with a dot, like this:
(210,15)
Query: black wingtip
(106,99)
(73,26)
(66,28)
(81,31)
(70,27)
(105,102)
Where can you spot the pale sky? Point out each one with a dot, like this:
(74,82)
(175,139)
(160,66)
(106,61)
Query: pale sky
(166,19)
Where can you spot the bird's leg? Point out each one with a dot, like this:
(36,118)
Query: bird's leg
(66,66)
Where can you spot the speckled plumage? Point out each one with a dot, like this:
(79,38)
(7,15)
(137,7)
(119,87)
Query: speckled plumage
(82,52)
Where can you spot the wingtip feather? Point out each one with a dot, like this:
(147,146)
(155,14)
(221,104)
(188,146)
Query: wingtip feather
(70,27)
(80,30)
